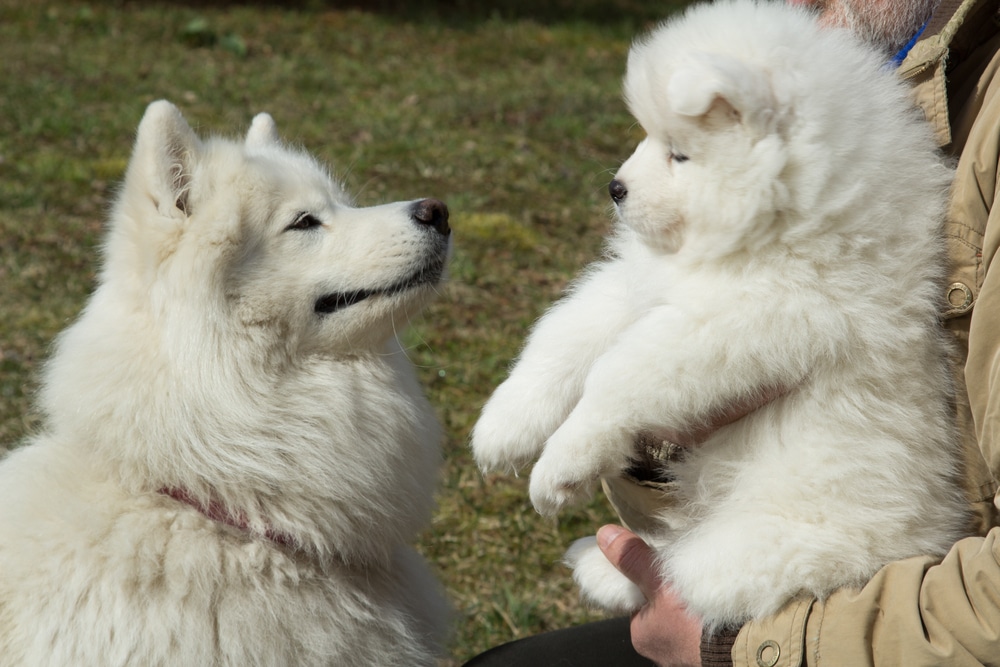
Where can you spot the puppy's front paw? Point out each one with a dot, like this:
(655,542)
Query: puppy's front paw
(499,445)
(601,584)
(578,454)
(556,483)
(509,434)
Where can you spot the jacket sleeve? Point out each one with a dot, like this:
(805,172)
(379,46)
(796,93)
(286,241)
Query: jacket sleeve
(913,613)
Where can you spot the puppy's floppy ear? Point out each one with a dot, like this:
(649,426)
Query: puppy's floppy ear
(705,80)
(262,132)
(163,161)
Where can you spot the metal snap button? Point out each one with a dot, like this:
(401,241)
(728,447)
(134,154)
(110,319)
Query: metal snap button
(959,298)
(768,654)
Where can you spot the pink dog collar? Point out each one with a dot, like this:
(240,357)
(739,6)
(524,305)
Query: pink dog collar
(217,512)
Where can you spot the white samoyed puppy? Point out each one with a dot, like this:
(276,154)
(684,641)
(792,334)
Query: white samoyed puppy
(778,231)
(237,454)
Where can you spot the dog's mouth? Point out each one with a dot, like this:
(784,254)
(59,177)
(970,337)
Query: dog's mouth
(430,273)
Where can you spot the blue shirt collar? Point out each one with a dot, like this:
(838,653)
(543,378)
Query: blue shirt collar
(898,58)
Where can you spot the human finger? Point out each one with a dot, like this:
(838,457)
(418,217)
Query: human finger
(630,554)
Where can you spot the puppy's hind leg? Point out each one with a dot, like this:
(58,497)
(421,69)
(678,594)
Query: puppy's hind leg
(601,584)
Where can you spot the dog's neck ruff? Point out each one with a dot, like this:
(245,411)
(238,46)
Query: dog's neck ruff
(217,512)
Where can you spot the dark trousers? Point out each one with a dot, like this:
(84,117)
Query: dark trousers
(601,644)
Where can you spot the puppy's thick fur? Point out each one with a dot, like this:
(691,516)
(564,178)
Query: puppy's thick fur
(778,231)
(237,453)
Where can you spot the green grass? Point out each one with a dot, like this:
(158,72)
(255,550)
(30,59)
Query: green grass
(512,115)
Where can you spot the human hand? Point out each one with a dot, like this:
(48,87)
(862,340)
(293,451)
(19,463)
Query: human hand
(663,630)
(699,432)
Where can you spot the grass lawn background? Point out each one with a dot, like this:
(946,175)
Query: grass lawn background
(512,115)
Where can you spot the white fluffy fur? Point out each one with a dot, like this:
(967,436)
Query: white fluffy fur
(200,364)
(797,246)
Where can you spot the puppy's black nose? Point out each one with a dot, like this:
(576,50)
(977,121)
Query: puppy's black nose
(617,190)
(433,213)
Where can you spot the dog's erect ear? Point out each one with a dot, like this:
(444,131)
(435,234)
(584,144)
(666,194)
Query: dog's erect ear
(166,151)
(706,81)
(262,132)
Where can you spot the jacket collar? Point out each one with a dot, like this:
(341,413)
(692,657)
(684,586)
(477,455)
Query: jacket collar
(928,60)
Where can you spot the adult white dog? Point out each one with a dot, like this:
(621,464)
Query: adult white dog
(779,232)
(237,453)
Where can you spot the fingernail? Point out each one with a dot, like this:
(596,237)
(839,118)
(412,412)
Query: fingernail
(608,534)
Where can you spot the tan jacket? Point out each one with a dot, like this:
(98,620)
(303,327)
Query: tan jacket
(925,611)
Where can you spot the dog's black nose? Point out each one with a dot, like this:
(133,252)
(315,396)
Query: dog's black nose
(617,190)
(433,213)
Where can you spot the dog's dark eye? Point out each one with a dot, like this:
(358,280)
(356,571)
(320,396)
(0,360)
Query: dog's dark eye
(678,157)
(304,221)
